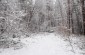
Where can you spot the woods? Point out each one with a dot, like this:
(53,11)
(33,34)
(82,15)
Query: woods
(24,17)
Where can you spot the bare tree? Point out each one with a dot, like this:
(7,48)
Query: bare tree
(83,12)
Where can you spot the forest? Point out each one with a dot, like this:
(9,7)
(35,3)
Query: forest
(30,16)
(19,18)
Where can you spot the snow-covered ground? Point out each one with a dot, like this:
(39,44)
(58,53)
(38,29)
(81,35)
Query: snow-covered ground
(45,44)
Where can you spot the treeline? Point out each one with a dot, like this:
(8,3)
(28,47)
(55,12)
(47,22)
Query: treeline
(21,17)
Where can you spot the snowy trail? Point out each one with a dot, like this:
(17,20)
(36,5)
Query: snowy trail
(42,45)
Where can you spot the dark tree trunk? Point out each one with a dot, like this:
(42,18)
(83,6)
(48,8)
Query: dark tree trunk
(69,16)
(83,12)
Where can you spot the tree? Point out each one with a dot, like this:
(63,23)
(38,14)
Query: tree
(75,16)
(83,12)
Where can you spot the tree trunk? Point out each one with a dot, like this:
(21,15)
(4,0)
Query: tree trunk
(83,12)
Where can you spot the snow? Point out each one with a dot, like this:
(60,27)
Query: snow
(42,44)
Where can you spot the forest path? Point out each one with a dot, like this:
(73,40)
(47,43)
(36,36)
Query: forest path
(42,44)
